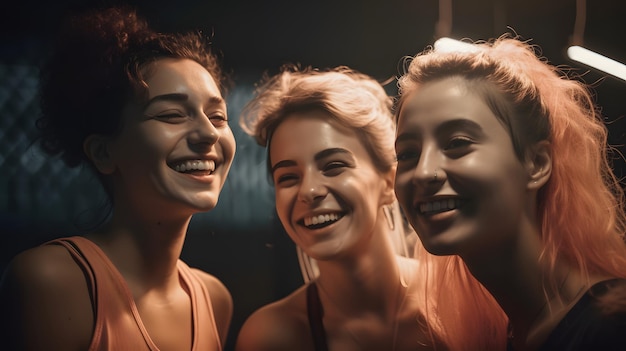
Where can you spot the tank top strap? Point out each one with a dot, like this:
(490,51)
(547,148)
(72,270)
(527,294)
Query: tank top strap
(315,312)
(111,296)
(82,262)
(202,310)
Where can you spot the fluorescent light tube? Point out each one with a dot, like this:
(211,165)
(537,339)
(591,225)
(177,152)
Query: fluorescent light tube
(445,44)
(597,61)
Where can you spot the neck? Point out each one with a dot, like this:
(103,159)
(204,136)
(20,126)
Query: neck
(533,294)
(144,250)
(365,283)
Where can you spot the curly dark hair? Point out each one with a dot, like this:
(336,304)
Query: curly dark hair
(95,69)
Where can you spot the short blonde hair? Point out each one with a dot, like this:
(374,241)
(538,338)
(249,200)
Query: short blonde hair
(353,99)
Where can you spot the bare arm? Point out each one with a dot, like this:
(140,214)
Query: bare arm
(45,302)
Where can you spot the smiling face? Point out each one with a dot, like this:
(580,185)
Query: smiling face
(477,201)
(328,191)
(176,147)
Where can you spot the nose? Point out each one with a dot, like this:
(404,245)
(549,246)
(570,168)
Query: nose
(428,169)
(312,188)
(203,133)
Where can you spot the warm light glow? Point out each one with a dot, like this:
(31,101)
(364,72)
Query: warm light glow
(452,45)
(597,61)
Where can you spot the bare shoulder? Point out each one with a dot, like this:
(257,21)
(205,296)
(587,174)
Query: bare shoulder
(281,325)
(221,301)
(47,300)
(218,291)
(44,271)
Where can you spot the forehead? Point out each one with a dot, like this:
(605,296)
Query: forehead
(438,101)
(171,75)
(302,134)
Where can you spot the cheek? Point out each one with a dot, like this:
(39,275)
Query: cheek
(132,151)
(404,190)
(228,143)
(371,195)
(489,168)
(153,142)
(499,185)
(507,177)
(402,183)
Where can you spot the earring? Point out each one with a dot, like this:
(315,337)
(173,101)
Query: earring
(388,211)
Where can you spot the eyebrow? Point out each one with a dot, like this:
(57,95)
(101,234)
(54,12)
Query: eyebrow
(284,163)
(328,152)
(454,124)
(168,97)
(214,100)
(318,156)
(460,123)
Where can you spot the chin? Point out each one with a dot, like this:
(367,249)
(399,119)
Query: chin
(204,209)
(440,247)
(203,204)
(208,206)
(322,252)
(439,250)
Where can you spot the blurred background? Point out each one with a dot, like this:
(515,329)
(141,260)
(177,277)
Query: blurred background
(241,241)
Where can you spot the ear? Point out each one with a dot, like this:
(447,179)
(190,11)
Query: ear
(539,164)
(388,195)
(96,147)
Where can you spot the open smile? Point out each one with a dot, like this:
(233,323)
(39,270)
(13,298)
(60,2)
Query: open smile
(194,166)
(428,208)
(320,220)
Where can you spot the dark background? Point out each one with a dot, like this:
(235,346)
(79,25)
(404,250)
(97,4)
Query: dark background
(241,241)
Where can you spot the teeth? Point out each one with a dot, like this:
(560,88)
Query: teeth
(319,219)
(440,206)
(195,165)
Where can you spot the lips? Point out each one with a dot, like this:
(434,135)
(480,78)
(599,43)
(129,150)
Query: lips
(188,166)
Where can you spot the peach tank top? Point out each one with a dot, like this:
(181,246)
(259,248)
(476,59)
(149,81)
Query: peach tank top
(118,325)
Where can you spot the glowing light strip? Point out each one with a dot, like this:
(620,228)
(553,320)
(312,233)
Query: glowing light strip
(597,61)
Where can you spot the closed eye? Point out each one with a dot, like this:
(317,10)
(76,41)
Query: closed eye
(172,116)
(218,120)
(458,142)
(286,179)
(407,155)
(334,168)
(459,146)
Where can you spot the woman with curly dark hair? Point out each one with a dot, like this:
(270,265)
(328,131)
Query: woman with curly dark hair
(145,111)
